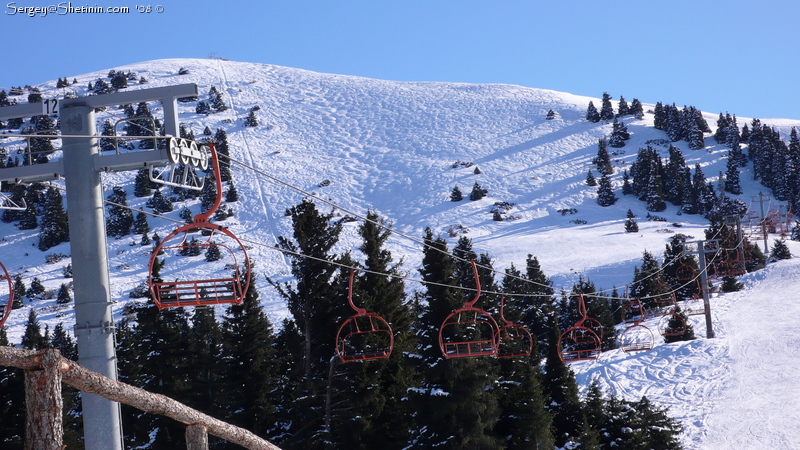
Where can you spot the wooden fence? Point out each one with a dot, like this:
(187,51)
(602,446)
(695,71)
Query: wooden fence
(45,370)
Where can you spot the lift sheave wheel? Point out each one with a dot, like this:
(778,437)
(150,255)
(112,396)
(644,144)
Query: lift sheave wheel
(469,331)
(6,294)
(200,263)
(363,336)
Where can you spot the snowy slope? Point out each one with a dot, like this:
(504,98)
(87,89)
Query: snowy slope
(391,147)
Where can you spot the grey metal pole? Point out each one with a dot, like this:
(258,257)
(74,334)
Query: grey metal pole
(94,326)
(701,256)
(763,222)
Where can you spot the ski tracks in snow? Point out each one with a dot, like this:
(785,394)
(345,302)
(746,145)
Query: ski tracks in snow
(758,408)
(737,391)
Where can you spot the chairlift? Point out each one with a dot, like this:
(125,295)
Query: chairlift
(513,340)
(732,263)
(672,323)
(6,297)
(633,311)
(637,337)
(695,305)
(582,341)
(174,264)
(578,343)
(469,331)
(363,336)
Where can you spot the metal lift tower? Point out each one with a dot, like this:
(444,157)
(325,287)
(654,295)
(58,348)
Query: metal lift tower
(81,167)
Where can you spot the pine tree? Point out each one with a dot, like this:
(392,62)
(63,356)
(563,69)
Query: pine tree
(606,110)
(33,339)
(562,392)
(231,195)
(36,290)
(107,144)
(120,217)
(467,415)
(592,115)
(779,250)
(140,225)
(159,203)
(374,411)
(631,226)
(223,151)
(627,189)
(54,227)
(19,291)
(524,421)
(732,176)
(155,355)
(590,180)
(619,134)
(311,301)
(63,294)
(251,120)
(141,184)
(637,110)
(477,192)
(215,100)
(248,379)
(648,283)
(622,107)
(603,160)
(605,192)
(455,195)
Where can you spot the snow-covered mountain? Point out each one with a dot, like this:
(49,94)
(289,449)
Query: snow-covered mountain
(399,148)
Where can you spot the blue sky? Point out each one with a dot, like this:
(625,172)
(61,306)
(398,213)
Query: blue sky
(720,56)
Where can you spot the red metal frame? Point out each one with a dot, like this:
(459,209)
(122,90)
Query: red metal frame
(513,340)
(469,331)
(582,341)
(732,264)
(636,337)
(672,323)
(6,304)
(354,340)
(210,291)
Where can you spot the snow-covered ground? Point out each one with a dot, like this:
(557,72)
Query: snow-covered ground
(735,391)
(391,147)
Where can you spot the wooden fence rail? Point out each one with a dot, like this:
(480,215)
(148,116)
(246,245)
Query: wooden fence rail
(45,370)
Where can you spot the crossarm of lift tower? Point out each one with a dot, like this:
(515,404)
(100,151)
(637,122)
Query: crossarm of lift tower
(105,163)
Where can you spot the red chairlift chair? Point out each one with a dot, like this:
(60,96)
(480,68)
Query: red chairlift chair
(469,331)
(513,340)
(581,342)
(363,336)
(229,269)
(695,305)
(7,297)
(636,337)
(672,323)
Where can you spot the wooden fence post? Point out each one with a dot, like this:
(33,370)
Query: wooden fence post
(43,427)
(196,437)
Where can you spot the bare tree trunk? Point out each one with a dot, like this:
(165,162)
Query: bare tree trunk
(196,437)
(43,427)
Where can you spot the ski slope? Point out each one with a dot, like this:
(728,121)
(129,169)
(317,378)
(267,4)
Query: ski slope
(736,391)
(394,147)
